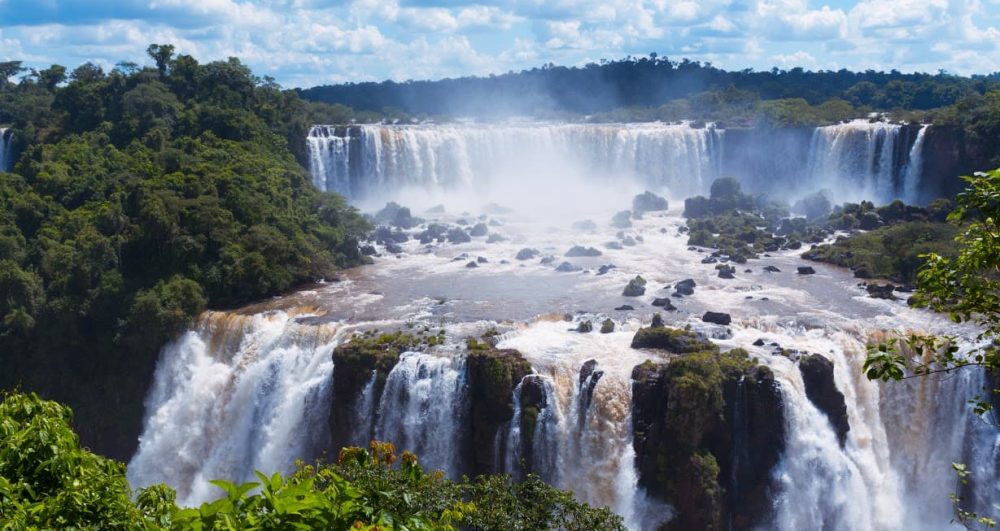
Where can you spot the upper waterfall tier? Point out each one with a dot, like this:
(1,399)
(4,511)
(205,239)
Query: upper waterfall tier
(855,160)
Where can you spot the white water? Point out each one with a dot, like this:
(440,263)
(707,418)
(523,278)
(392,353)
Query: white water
(856,159)
(6,148)
(490,159)
(914,168)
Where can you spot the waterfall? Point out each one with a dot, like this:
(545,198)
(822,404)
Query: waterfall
(423,410)
(858,160)
(6,148)
(373,160)
(364,414)
(235,394)
(914,168)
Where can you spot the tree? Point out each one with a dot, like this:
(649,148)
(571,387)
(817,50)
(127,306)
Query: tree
(161,55)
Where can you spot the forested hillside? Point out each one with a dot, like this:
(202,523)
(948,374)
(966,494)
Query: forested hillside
(140,197)
(659,88)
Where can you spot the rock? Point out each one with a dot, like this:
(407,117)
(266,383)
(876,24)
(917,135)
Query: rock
(806,270)
(624,308)
(393,248)
(657,321)
(367,250)
(604,269)
(709,260)
(672,340)
(471,265)
(383,234)
(628,241)
(727,272)
(771,269)
(589,376)
(567,267)
(546,260)
(717,318)
(614,246)
(607,326)
(495,238)
(821,390)
(492,374)
(664,303)
(479,229)
(577,251)
(685,287)
(748,270)
(397,216)
(759,342)
(585,226)
(648,202)
(906,289)
(527,254)
(881,291)
(862,271)
(481,259)
(622,220)
(635,287)
(457,235)
(585,327)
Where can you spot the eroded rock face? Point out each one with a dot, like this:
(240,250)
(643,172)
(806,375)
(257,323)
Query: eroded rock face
(817,375)
(708,449)
(492,376)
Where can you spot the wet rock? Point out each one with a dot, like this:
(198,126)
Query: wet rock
(906,289)
(657,321)
(665,303)
(567,267)
(603,270)
(717,318)
(759,342)
(622,220)
(546,260)
(821,389)
(624,308)
(709,260)
(460,257)
(771,269)
(396,216)
(471,265)
(480,229)
(481,259)
(806,270)
(614,246)
(585,226)
(628,241)
(578,251)
(527,254)
(881,291)
(457,235)
(672,340)
(495,238)
(607,326)
(685,287)
(862,271)
(635,287)
(585,327)
(367,250)
(393,248)
(748,270)
(383,235)
(727,272)
(492,376)
(648,202)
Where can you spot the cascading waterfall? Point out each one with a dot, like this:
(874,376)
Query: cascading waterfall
(858,160)
(366,160)
(914,168)
(233,395)
(423,409)
(6,148)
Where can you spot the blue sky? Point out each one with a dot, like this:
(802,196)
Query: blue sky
(309,42)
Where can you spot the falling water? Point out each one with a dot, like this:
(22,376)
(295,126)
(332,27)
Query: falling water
(233,395)
(367,160)
(6,148)
(423,409)
(859,159)
(914,168)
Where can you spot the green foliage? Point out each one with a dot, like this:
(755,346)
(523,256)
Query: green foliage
(47,481)
(140,198)
(671,339)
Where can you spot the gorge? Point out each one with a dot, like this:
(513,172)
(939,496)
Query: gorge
(688,432)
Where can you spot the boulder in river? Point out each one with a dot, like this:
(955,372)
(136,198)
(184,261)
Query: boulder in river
(457,235)
(567,267)
(585,327)
(577,251)
(719,318)
(604,269)
(479,229)
(607,326)
(527,254)
(635,287)
(624,308)
(771,269)
(821,390)
(665,303)
(585,226)
(685,287)
(648,202)
(622,220)
(806,270)
(672,340)
(881,291)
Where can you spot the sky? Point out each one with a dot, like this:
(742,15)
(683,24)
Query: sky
(304,43)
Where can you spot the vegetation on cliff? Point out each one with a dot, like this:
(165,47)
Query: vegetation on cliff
(139,198)
(48,481)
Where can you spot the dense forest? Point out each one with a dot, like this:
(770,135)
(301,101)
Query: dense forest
(658,88)
(140,197)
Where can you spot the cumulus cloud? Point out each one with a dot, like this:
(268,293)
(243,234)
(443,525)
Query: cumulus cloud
(306,42)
